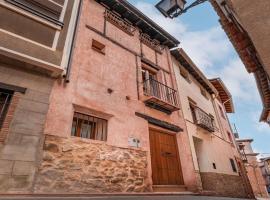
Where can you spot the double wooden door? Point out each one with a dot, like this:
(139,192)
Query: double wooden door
(166,168)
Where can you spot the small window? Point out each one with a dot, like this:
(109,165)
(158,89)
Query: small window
(233,165)
(97,46)
(204,93)
(5,99)
(214,166)
(230,136)
(87,126)
(193,112)
(212,120)
(221,112)
(184,73)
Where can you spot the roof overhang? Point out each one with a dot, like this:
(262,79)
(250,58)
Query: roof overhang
(263,84)
(246,51)
(138,19)
(224,94)
(181,56)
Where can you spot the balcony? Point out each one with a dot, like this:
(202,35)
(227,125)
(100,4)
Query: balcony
(160,96)
(204,120)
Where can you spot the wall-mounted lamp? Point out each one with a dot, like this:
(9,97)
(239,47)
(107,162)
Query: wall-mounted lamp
(174,8)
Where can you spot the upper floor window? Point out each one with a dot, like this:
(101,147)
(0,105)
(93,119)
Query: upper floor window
(184,73)
(46,9)
(87,126)
(233,165)
(5,99)
(221,112)
(204,93)
(230,136)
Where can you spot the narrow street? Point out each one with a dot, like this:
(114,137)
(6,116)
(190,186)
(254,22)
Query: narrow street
(163,197)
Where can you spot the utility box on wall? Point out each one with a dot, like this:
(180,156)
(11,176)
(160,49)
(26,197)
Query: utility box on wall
(134,142)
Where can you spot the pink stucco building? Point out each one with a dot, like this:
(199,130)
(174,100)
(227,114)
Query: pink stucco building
(123,113)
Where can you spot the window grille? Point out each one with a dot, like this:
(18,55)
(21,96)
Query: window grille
(90,127)
(5,99)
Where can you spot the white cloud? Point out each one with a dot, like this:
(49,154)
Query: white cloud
(239,82)
(259,127)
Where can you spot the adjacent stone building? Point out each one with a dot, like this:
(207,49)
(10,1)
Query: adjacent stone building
(247,26)
(253,169)
(35,46)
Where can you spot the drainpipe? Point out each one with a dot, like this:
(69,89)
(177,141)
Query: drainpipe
(67,75)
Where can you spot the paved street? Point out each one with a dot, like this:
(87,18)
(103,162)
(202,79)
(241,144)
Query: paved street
(163,197)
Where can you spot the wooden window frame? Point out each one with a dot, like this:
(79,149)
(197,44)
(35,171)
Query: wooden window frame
(204,93)
(93,127)
(221,112)
(184,73)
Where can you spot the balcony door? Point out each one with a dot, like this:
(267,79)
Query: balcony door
(166,168)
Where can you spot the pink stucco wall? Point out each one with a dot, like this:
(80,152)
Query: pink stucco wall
(93,73)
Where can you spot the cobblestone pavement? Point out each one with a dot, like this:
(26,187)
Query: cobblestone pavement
(163,197)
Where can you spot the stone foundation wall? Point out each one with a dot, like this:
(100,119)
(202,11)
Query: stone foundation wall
(22,133)
(75,165)
(223,184)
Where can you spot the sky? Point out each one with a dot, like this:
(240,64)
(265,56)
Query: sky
(205,42)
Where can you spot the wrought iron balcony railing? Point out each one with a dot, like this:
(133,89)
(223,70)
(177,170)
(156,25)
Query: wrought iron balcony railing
(204,120)
(161,95)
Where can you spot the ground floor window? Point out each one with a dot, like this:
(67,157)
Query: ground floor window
(5,99)
(87,126)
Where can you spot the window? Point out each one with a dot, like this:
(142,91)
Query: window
(230,136)
(193,111)
(5,99)
(184,74)
(45,9)
(90,127)
(97,46)
(233,165)
(221,112)
(150,85)
(212,120)
(204,93)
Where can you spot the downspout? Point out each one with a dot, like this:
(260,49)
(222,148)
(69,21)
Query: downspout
(67,75)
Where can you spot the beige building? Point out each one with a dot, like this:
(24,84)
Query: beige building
(252,166)
(247,25)
(205,104)
(36,39)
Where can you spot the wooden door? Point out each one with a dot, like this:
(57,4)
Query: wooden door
(166,169)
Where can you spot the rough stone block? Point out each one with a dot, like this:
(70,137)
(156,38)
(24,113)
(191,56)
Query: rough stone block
(6,166)
(33,106)
(30,140)
(20,153)
(22,168)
